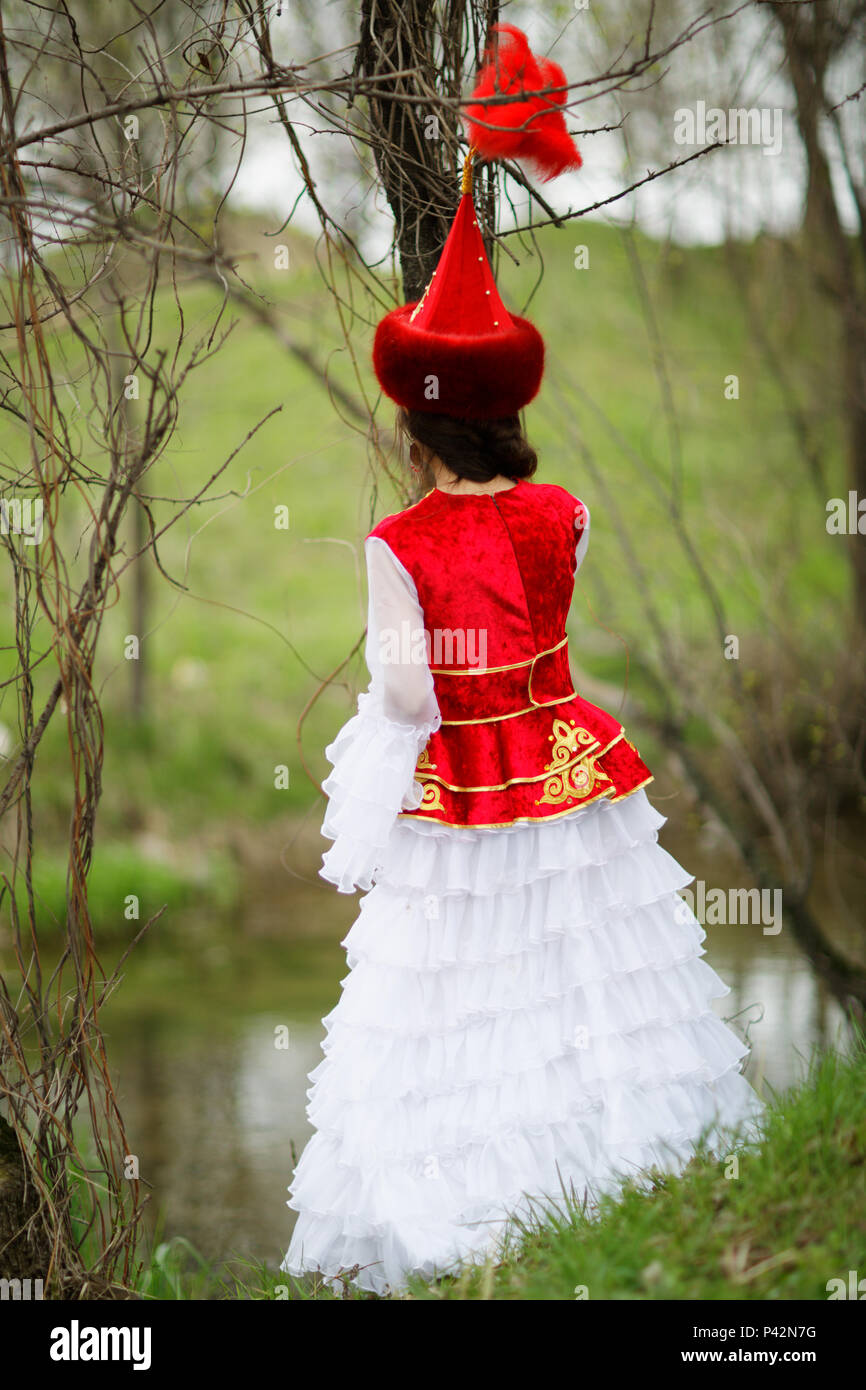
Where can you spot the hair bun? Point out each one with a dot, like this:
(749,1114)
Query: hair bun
(477,450)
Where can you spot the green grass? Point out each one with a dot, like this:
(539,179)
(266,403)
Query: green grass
(787,1224)
(790,1222)
(126,887)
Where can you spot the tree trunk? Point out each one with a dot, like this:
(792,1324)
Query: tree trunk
(24,1249)
(415,144)
(808,39)
(396,34)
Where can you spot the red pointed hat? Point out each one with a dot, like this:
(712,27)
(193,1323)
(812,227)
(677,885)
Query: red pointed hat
(457,350)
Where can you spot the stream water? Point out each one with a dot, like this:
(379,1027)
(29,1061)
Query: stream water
(214,1103)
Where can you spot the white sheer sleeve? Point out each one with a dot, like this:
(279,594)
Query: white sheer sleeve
(375,753)
(581,524)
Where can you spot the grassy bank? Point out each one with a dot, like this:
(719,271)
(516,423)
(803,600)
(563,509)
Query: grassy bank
(790,1222)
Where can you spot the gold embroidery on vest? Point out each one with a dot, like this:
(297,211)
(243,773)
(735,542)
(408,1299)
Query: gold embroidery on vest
(431,796)
(431,799)
(574,774)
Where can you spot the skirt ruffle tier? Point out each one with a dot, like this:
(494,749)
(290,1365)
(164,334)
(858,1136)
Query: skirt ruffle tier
(527,1014)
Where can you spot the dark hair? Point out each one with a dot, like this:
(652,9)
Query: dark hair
(474,449)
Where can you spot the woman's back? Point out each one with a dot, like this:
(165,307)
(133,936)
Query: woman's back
(502,563)
(489,578)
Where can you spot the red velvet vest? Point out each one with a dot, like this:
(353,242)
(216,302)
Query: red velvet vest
(495,575)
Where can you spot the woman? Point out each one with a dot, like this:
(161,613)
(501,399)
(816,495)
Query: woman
(526,1009)
(527,1016)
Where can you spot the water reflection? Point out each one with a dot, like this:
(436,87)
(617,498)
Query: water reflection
(775,1003)
(213,1121)
(213,1108)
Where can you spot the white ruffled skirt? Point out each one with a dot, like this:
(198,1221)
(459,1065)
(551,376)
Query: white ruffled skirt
(526,1015)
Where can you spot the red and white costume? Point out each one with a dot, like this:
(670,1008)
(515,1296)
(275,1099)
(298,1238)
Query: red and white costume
(526,997)
(527,1008)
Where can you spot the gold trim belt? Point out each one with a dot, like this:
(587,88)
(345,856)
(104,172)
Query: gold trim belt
(488,670)
(485,695)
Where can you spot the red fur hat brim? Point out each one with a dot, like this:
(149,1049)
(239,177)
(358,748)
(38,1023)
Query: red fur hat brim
(481,377)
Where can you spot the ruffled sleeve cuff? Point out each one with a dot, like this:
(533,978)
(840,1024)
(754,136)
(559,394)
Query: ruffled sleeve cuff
(374,760)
